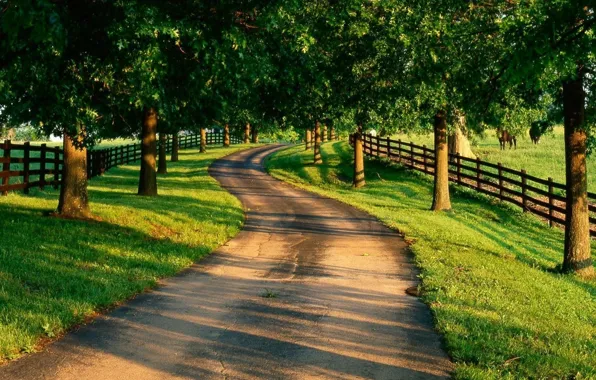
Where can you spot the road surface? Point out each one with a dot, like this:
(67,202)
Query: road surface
(310,289)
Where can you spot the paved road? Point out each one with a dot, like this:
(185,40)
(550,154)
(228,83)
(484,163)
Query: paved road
(337,307)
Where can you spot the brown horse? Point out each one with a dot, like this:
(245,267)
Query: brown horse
(506,137)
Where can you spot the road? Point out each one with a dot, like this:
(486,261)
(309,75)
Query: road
(310,289)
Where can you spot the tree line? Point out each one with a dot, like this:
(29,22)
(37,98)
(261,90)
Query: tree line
(93,69)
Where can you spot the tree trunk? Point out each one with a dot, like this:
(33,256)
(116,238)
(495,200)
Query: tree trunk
(226,142)
(577,256)
(324,134)
(175,148)
(359,180)
(441,199)
(459,143)
(255,135)
(74,200)
(203,142)
(148,177)
(308,139)
(458,140)
(162,165)
(247,133)
(332,134)
(318,157)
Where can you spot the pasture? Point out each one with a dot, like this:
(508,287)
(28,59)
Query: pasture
(57,273)
(488,271)
(544,160)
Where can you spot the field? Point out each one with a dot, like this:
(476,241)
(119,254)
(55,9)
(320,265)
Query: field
(56,273)
(488,271)
(544,160)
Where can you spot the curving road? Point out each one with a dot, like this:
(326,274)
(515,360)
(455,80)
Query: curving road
(311,288)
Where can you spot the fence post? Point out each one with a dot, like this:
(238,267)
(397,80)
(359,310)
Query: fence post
(26,158)
(524,197)
(102,167)
(424,156)
(93,161)
(56,167)
(550,202)
(389,148)
(500,168)
(399,151)
(411,154)
(478,184)
(458,161)
(42,166)
(378,146)
(91,164)
(6,165)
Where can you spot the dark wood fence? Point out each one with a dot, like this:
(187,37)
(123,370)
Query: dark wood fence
(25,166)
(542,197)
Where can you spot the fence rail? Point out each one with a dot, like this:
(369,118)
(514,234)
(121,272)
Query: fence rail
(542,197)
(25,166)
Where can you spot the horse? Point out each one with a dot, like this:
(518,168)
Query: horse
(537,129)
(535,137)
(506,137)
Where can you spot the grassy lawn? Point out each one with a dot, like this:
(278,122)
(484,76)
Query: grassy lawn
(56,273)
(544,160)
(487,269)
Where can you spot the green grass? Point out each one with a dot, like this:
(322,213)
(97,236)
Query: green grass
(55,273)
(488,270)
(544,160)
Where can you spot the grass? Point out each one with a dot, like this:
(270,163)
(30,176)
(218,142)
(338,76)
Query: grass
(56,273)
(544,160)
(488,271)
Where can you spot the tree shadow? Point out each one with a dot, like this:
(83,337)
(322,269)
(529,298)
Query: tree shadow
(57,272)
(221,326)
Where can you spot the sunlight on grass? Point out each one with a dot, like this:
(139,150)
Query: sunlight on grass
(488,270)
(55,273)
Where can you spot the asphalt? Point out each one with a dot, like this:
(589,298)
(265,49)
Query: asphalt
(310,289)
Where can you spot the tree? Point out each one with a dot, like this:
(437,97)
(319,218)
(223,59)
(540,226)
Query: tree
(538,51)
(53,76)
(148,177)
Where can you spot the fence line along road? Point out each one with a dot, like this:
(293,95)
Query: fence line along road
(24,166)
(542,197)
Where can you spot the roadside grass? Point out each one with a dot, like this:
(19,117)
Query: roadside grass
(488,271)
(56,273)
(544,160)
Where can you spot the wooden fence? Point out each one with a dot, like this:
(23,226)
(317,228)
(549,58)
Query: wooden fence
(25,166)
(542,197)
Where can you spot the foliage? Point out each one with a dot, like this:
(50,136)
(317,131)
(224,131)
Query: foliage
(487,270)
(282,135)
(28,133)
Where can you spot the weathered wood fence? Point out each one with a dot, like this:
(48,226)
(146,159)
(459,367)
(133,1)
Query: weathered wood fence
(542,197)
(25,166)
